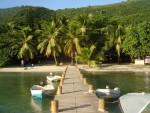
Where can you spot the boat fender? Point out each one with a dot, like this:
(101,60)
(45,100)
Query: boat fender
(107,87)
(116,88)
(51,73)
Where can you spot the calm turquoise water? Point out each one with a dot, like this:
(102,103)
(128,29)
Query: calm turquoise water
(15,96)
(127,82)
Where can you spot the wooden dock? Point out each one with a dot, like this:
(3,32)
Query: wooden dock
(75,97)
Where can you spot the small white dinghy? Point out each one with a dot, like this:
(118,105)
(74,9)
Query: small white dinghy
(53,78)
(41,92)
(135,103)
(108,93)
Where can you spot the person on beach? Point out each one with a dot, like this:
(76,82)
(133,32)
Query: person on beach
(22,63)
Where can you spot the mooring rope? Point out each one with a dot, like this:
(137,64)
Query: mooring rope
(112,102)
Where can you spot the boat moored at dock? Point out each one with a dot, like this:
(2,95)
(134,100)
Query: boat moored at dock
(135,103)
(42,91)
(108,93)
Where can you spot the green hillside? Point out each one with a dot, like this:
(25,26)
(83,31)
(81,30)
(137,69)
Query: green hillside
(21,14)
(130,11)
(108,31)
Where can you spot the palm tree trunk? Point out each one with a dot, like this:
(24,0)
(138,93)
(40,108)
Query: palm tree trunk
(71,58)
(119,60)
(55,59)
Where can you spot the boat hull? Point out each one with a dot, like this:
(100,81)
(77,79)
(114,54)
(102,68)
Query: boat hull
(135,103)
(107,93)
(41,92)
(53,78)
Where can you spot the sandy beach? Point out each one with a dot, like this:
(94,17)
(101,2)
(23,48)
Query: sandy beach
(46,68)
(118,68)
(102,68)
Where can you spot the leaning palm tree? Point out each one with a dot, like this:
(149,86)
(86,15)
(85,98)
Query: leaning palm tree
(72,40)
(86,55)
(23,42)
(48,43)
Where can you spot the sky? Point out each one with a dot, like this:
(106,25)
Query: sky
(56,4)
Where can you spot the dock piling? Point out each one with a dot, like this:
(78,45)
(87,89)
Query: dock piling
(81,76)
(59,90)
(54,106)
(61,82)
(63,76)
(84,81)
(91,89)
(101,105)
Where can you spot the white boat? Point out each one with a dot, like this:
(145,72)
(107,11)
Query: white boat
(41,92)
(135,103)
(108,93)
(53,78)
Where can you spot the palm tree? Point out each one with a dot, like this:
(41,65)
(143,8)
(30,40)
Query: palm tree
(114,36)
(85,57)
(72,40)
(48,43)
(24,44)
(118,36)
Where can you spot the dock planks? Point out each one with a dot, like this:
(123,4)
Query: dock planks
(75,97)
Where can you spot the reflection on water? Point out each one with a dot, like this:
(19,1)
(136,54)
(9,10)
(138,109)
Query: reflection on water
(36,104)
(15,95)
(147,80)
(128,82)
(39,105)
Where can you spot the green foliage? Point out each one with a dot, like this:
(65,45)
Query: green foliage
(26,15)
(137,40)
(85,57)
(130,12)
(25,30)
(24,44)
(72,38)
(48,42)
(4,59)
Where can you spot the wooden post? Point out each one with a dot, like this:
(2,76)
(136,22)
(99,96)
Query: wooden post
(54,106)
(61,82)
(66,69)
(81,77)
(91,89)
(63,76)
(64,72)
(59,90)
(101,105)
(78,70)
(84,81)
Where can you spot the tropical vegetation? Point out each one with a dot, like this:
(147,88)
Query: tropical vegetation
(91,35)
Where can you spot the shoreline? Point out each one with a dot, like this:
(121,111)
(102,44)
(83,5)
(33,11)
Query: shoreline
(102,68)
(117,68)
(44,68)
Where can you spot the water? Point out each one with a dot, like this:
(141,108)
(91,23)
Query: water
(127,82)
(15,95)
